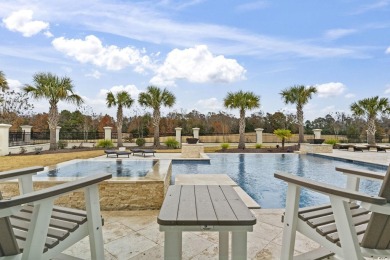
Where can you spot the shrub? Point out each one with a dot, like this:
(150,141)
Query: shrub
(258,146)
(62,144)
(331,141)
(140,142)
(225,146)
(38,150)
(172,143)
(105,144)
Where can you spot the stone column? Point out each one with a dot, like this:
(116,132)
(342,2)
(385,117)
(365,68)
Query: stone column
(58,133)
(107,132)
(196,132)
(27,131)
(178,135)
(259,135)
(4,139)
(317,133)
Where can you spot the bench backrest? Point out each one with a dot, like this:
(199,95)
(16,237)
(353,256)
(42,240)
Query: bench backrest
(377,235)
(8,244)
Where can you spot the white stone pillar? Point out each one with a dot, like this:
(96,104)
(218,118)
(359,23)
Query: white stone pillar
(259,135)
(317,133)
(107,132)
(57,133)
(4,139)
(178,135)
(27,131)
(196,132)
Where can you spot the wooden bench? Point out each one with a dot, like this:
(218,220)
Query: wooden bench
(213,208)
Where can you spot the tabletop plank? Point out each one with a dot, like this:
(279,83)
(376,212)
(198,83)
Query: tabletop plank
(222,208)
(187,208)
(168,212)
(204,206)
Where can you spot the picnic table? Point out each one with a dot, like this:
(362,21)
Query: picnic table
(213,208)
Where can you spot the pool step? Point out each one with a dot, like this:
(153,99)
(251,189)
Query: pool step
(216,179)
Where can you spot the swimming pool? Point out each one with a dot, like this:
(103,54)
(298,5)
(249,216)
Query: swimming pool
(83,168)
(254,174)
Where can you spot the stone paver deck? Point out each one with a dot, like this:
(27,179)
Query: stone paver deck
(135,235)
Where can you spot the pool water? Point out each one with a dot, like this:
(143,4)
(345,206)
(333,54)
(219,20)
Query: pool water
(118,168)
(254,174)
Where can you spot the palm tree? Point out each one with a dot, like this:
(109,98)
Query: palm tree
(299,95)
(154,97)
(370,107)
(51,87)
(242,101)
(121,99)
(3,82)
(283,134)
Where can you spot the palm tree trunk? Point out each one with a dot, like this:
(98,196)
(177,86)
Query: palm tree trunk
(119,119)
(156,124)
(53,121)
(241,143)
(300,124)
(371,129)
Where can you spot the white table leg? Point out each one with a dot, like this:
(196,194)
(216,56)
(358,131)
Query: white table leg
(239,239)
(172,245)
(223,245)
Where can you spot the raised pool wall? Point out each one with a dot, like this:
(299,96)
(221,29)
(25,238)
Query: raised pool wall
(115,194)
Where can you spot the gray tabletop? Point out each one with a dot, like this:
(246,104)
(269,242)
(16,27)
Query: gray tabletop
(204,205)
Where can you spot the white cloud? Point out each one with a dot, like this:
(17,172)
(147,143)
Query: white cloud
(21,21)
(350,95)
(372,6)
(338,33)
(48,34)
(211,104)
(330,89)
(91,50)
(131,89)
(197,65)
(387,50)
(14,84)
(387,91)
(94,74)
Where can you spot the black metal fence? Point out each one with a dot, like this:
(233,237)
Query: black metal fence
(91,136)
(17,138)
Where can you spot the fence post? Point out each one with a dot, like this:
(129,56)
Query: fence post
(107,132)
(259,135)
(58,134)
(4,139)
(317,133)
(178,135)
(196,132)
(27,132)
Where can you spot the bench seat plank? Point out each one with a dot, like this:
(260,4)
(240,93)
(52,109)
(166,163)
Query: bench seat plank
(204,206)
(186,213)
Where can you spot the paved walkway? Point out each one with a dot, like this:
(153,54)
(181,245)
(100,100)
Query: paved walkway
(382,158)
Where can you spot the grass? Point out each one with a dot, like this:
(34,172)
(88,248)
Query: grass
(21,161)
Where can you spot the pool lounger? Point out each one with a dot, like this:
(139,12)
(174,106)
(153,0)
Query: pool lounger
(117,153)
(142,151)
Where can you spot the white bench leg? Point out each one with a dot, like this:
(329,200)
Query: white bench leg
(223,245)
(172,245)
(239,239)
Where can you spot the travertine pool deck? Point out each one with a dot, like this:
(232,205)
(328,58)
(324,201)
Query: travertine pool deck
(381,158)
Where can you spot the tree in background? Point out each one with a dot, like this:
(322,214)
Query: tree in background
(283,134)
(370,107)
(122,99)
(14,105)
(3,82)
(51,87)
(242,101)
(300,96)
(154,98)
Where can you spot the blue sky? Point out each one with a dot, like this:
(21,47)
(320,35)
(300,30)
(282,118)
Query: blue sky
(202,49)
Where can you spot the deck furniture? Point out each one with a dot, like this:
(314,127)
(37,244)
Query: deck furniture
(345,229)
(143,152)
(359,148)
(214,208)
(33,228)
(117,153)
(343,146)
(379,148)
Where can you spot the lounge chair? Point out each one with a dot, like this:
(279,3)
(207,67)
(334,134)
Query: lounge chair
(343,146)
(117,153)
(344,229)
(359,148)
(33,228)
(143,152)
